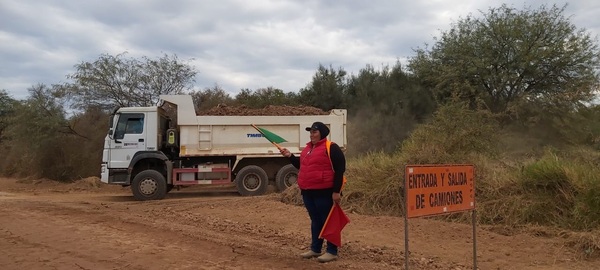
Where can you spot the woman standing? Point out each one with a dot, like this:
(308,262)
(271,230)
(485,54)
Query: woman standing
(320,179)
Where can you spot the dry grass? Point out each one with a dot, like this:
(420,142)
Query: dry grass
(374,185)
(587,243)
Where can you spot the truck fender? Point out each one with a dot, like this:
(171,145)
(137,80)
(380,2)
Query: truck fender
(145,155)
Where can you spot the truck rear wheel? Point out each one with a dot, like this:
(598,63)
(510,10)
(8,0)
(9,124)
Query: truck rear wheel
(149,185)
(286,177)
(252,181)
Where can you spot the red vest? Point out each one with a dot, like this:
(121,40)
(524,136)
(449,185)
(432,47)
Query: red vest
(315,167)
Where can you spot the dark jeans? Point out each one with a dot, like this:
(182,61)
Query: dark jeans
(318,207)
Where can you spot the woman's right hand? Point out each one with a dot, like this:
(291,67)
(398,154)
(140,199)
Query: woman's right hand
(285,152)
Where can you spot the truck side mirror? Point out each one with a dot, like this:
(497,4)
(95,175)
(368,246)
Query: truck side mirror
(119,134)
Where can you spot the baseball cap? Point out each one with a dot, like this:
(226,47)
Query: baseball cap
(322,128)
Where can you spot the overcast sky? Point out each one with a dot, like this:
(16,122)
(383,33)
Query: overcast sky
(232,43)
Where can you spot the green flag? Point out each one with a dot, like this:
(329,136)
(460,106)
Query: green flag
(272,137)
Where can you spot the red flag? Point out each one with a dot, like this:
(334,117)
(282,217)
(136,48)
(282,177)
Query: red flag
(335,223)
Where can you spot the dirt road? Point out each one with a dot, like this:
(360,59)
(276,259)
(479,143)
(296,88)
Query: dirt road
(47,225)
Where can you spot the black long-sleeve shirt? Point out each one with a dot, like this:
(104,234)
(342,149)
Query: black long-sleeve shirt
(338,160)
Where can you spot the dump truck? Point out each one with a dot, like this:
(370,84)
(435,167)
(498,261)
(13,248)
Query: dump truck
(154,149)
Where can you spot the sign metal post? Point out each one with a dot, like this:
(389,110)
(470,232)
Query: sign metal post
(431,190)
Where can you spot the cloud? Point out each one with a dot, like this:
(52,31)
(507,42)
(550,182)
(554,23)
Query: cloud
(232,43)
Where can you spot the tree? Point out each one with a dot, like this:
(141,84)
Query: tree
(37,130)
(512,58)
(263,97)
(84,148)
(326,91)
(210,97)
(41,142)
(271,96)
(7,107)
(387,102)
(118,81)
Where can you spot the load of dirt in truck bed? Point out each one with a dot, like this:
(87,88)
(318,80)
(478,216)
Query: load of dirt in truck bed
(225,110)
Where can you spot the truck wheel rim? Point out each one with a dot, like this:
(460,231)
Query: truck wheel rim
(291,179)
(252,182)
(148,186)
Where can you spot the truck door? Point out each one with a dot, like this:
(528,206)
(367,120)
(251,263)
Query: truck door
(129,138)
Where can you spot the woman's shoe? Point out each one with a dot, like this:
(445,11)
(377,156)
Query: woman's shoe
(310,254)
(327,257)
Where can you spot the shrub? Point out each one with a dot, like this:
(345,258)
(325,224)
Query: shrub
(455,134)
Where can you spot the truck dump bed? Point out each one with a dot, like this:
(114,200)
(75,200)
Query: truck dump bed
(234,135)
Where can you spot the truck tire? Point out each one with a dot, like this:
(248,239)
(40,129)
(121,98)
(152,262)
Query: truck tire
(286,177)
(252,181)
(149,185)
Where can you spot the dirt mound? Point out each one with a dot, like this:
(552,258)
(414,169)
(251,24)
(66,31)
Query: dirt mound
(225,110)
(291,196)
(87,184)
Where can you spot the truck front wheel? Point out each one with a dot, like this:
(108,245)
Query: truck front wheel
(252,181)
(149,185)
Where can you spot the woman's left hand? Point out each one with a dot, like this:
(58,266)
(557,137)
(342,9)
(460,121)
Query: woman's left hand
(336,197)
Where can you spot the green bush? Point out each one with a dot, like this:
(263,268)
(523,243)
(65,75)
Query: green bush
(455,134)
(563,191)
